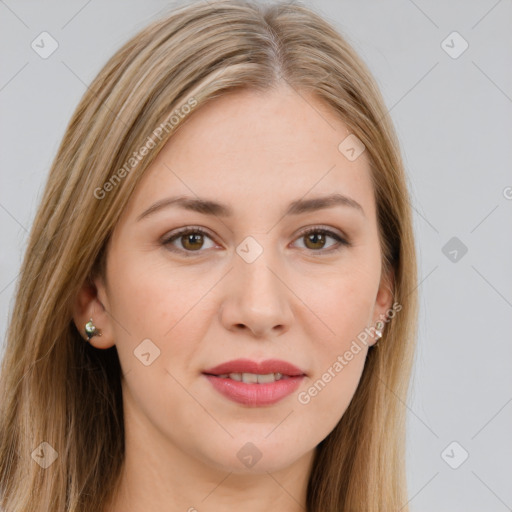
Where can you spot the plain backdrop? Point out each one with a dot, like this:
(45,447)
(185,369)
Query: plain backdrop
(445,72)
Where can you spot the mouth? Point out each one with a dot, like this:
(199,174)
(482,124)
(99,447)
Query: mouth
(255,384)
(252,378)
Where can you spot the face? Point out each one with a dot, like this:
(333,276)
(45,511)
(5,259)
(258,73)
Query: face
(245,281)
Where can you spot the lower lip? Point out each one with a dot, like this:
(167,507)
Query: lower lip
(255,394)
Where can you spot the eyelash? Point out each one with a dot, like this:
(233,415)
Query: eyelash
(342,242)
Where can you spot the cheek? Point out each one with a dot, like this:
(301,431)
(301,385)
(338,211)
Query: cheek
(168,306)
(159,319)
(343,301)
(325,398)
(150,297)
(344,307)
(338,363)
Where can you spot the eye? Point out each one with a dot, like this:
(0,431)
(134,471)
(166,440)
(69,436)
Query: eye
(191,239)
(315,238)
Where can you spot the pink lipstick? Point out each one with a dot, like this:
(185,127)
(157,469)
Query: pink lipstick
(255,384)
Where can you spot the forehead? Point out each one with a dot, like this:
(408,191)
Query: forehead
(256,149)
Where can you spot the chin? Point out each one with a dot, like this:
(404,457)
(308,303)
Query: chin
(251,458)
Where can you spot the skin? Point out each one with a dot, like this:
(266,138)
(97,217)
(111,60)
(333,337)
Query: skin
(300,301)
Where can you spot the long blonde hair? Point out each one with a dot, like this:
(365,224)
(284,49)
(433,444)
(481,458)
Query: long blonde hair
(57,389)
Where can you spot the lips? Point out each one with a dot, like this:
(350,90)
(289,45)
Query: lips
(255,384)
(259,368)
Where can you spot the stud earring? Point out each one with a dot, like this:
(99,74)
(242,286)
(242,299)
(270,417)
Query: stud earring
(378,329)
(91,330)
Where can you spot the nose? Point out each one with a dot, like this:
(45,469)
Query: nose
(257,298)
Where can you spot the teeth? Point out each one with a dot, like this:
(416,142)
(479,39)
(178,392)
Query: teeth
(263,379)
(270,377)
(252,378)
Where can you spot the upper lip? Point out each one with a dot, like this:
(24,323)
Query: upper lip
(259,368)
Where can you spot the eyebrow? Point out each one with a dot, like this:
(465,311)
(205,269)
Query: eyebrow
(210,207)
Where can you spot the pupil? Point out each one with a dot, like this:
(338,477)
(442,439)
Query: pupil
(314,237)
(193,239)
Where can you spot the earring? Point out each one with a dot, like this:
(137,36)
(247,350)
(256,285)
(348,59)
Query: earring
(91,330)
(378,329)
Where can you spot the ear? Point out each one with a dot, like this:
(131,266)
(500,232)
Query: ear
(384,300)
(92,302)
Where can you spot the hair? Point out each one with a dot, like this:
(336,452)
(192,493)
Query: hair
(55,388)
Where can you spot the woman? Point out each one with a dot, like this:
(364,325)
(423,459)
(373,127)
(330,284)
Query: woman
(217,305)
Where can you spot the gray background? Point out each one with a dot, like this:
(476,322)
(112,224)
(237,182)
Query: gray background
(453,118)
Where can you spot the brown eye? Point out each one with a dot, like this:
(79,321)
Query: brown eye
(316,239)
(192,241)
(189,239)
